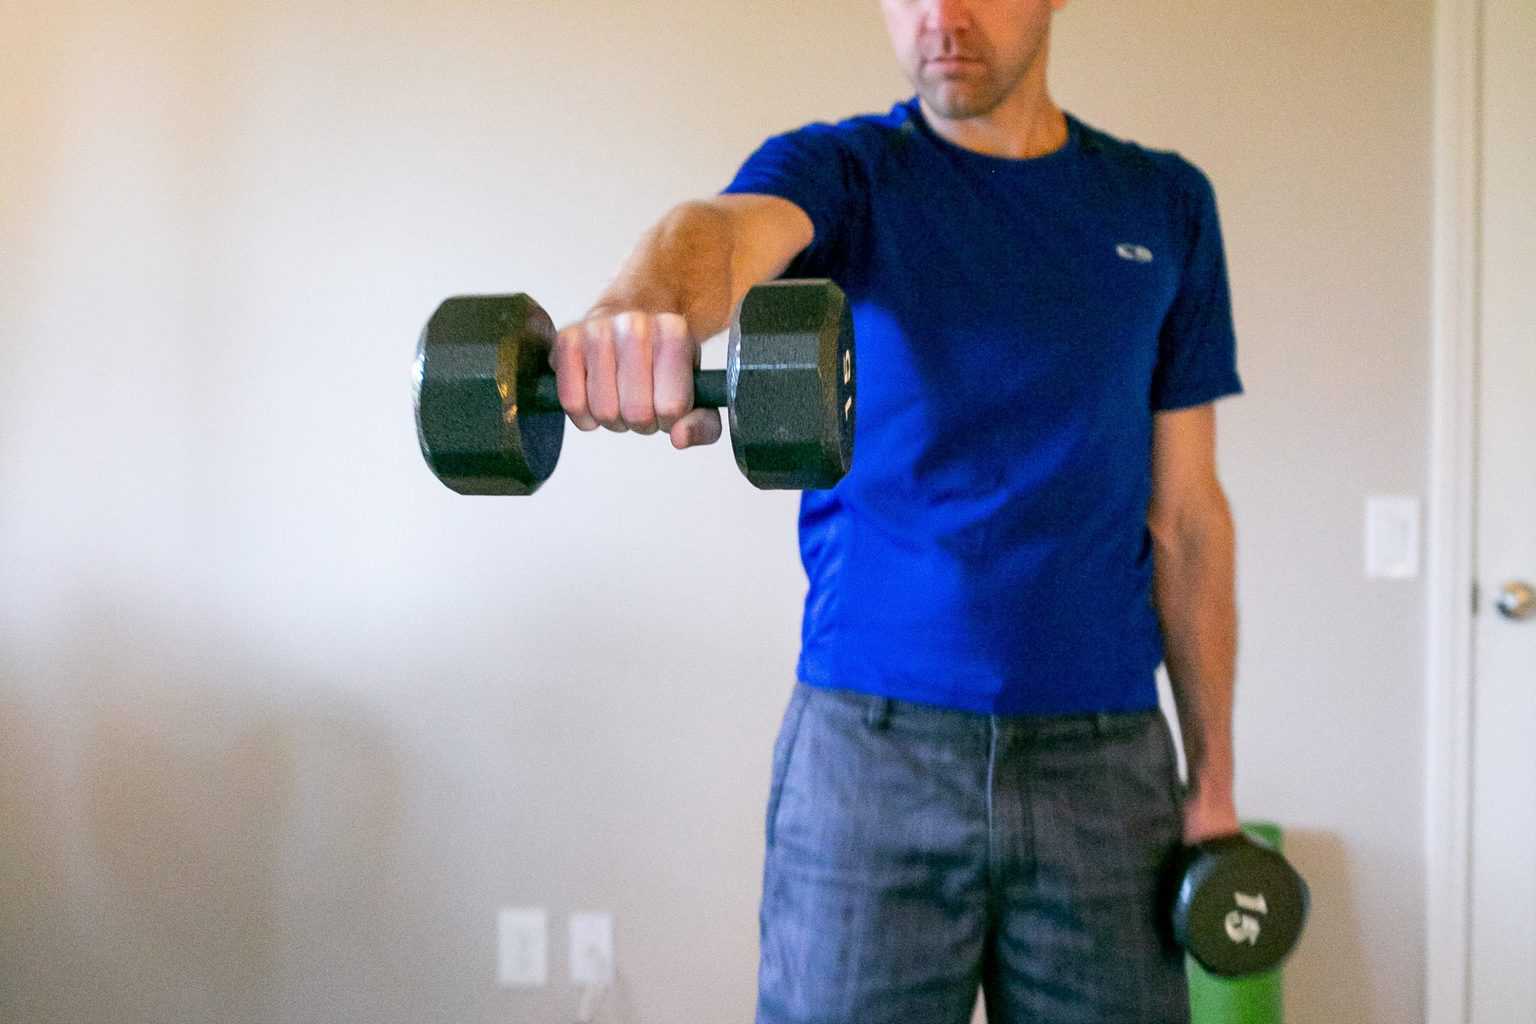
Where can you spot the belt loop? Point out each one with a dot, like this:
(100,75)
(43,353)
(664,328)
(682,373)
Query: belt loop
(877,713)
(1101,723)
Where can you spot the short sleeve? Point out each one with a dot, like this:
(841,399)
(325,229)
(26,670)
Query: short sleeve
(812,168)
(1197,345)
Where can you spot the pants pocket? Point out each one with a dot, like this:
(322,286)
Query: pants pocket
(783,748)
(1177,791)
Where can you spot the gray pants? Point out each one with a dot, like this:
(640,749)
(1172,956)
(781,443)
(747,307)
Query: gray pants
(916,853)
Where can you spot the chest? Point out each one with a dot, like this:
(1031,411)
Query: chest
(1040,267)
(1006,294)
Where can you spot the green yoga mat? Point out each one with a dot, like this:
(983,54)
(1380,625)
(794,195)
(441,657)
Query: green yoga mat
(1255,999)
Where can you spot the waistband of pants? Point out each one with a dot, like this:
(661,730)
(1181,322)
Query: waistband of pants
(880,712)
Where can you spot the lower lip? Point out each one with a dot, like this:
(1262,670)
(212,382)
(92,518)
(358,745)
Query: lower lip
(951,64)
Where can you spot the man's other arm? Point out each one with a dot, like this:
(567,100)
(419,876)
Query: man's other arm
(1194,587)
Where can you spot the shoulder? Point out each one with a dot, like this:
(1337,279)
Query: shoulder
(1165,169)
(861,135)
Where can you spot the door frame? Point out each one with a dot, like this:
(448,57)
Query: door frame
(1452,541)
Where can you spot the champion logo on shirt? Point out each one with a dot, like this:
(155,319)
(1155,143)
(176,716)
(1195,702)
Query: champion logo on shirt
(1133,253)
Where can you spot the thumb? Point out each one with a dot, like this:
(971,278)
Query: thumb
(701,426)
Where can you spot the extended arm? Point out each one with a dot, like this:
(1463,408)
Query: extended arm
(704,255)
(628,365)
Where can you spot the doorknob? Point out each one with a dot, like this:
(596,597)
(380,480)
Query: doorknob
(1517,600)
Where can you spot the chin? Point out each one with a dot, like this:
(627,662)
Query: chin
(957,103)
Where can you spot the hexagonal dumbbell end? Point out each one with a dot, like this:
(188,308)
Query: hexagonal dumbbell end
(1239,907)
(475,417)
(790,375)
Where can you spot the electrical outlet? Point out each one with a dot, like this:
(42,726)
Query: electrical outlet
(522,947)
(592,948)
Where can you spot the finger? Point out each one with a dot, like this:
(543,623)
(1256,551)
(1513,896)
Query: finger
(701,426)
(602,374)
(565,358)
(633,335)
(676,357)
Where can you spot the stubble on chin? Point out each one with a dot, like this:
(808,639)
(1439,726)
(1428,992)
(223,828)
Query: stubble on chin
(957,103)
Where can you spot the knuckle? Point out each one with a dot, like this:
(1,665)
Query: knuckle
(672,409)
(672,330)
(639,417)
(567,344)
(635,337)
(605,414)
(598,333)
(636,326)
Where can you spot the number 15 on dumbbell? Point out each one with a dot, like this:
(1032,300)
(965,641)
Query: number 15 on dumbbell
(488,413)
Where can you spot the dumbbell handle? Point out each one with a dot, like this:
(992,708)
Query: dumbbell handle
(709,391)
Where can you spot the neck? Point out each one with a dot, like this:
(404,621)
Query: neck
(1027,123)
(1040,135)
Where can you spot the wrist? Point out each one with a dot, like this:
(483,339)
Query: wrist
(634,297)
(1211,788)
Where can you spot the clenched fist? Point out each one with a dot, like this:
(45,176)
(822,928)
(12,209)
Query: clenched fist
(633,371)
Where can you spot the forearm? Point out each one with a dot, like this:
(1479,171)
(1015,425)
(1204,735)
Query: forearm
(1194,586)
(681,265)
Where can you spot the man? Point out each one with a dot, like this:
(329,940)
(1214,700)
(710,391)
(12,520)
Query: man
(973,784)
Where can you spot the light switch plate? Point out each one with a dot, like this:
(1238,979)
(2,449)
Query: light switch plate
(522,947)
(1391,537)
(592,948)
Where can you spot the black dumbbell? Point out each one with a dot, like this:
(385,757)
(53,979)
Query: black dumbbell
(1238,906)
(488,413)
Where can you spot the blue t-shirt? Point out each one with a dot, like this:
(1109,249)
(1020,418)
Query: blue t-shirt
(1017,324)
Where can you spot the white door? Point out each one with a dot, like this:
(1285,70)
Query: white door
(1503,960)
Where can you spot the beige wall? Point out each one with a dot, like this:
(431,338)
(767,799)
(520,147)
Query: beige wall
(283,721)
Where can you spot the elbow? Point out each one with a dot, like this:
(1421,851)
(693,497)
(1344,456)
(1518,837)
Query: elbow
(1192,524)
